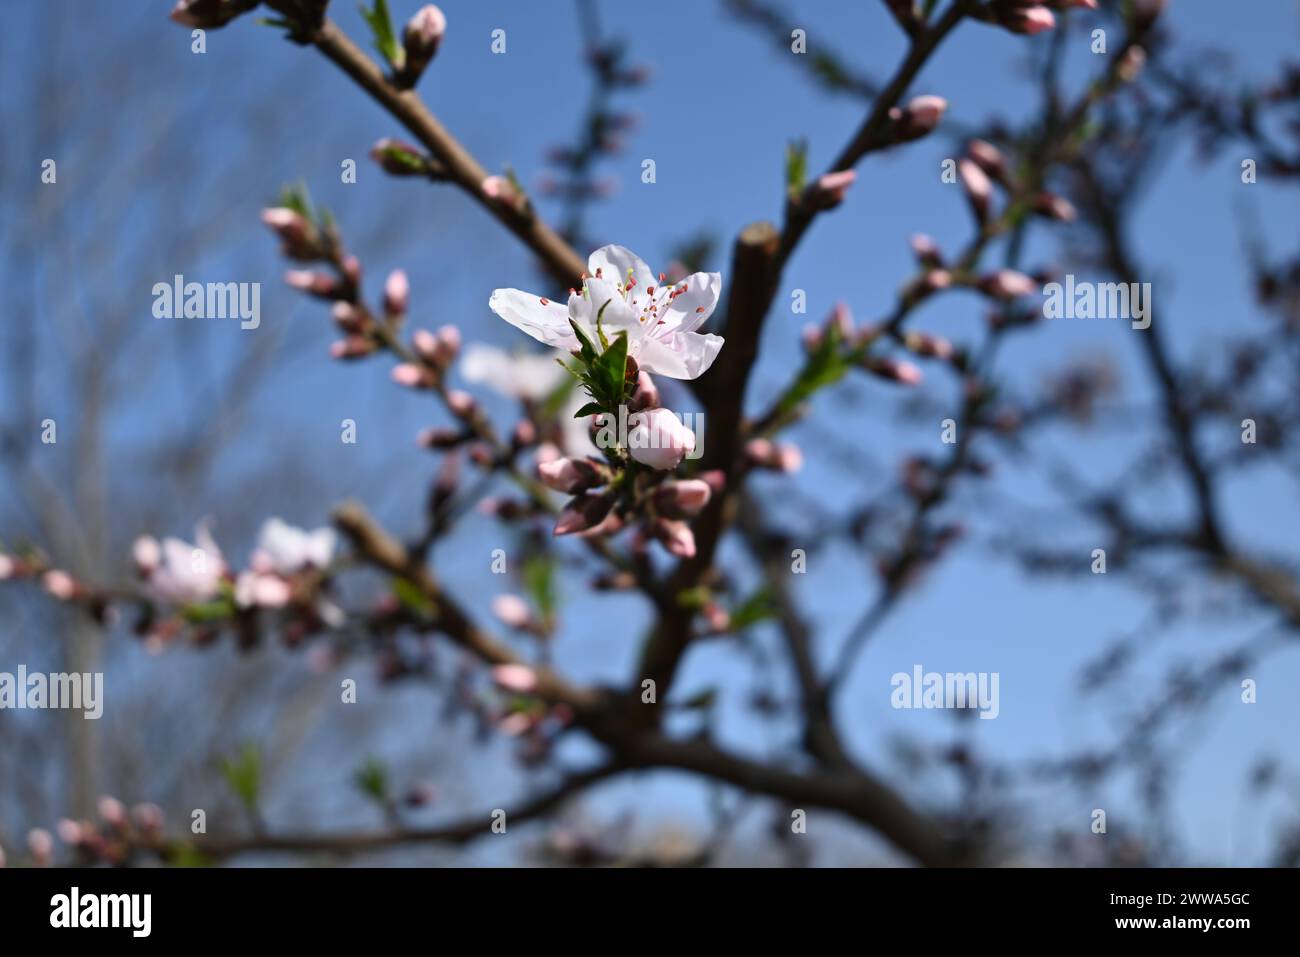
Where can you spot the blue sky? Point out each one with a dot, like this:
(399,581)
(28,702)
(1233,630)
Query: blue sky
(716,117)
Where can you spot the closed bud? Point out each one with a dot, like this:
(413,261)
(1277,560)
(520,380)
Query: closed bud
(348,318)
(924,344)
(829,189)
(1007,284)
(675,536)
(681,499)
(399,158)
(894,370)
(319,284)
(988,158)
(353,347)
(926,251)
(440,438)
(397,293)
(297,235)
(646,395)
(462,404)
(1054,207)
(919,117)
(513,612)
(420,40)
(413,376)
(979,191)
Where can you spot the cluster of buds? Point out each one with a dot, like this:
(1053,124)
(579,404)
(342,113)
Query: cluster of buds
(434,353)
(525,716)
(110,840)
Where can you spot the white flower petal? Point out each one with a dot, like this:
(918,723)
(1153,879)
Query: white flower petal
(545,321)
(681,355)
(526,376)
(615,261)
(687,312)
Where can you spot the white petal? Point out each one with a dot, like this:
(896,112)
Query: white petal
(546,322)
(687,312)
(681,355)
(531,376)
(615,261)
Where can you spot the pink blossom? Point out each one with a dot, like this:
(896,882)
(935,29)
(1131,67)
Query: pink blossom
(512,611)
(60,584)
(657,438)
(518,678)
(397,293)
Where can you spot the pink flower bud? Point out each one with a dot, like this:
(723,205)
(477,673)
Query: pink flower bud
(716,617)
(586,513)
(524,434)
(646,395)
(206,14)
(895,370)
(69,831)
(715,479)
(675,536)
(788,458)
(60,584)
(412,376)
(979,191)
(8,567)
(420,40)
(926,250)
(501,190)
(353,347)
(462,404)
(292,228)
(1007,284)
(1130,64)
(657,438)
(425,344)
(924,344)
(516,724)
(512,611)
(448,343)
(829,189)
(148,817)
(1031,20)
(919,117)
(318,284)
(348,318)
(41,845)
(681,499)
(397,293)
(560,474)
(1054,207)
(111,811)
(988,158)
(147,554)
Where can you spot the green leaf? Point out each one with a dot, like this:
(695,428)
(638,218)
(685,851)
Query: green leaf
(244,773)
(371,779)
(757,607)
(796,166)
(539,582)
(411,597)
(587,350)
(591,408)
(218,609)
(381,27)
(613,365)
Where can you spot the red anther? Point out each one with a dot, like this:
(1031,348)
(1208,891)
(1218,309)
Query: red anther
(598,272)
(699,308)
(663,276)
(545,301)
(650,290)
